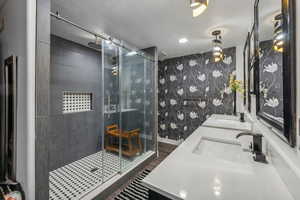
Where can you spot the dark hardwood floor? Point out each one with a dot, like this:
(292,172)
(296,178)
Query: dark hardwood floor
(164,150)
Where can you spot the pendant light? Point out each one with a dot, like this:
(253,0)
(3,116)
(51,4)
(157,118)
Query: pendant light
(195,3)
(278,39)
(198,6)
(217,46)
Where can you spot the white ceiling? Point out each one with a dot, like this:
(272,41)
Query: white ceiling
(145,23)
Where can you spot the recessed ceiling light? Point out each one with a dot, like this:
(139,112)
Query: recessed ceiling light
(183,40)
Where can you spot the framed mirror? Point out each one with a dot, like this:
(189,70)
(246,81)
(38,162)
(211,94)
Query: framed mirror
(246,50)
(252,59)
(251,62)
(276,66)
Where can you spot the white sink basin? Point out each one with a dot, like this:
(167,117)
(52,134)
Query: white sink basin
(227,124)
(225,150)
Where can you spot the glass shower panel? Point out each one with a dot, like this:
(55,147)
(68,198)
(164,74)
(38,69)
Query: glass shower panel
(149,106)
(132,82)
(112,121)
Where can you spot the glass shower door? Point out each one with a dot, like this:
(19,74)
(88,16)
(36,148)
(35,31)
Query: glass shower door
(128,93)
(111,141)
(132,86)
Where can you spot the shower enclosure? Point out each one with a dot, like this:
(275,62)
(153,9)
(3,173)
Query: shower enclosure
(102,105)
(128,82)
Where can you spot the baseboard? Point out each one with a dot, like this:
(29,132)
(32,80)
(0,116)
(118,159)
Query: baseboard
(169,141)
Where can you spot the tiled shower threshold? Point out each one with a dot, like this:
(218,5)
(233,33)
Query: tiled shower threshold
(82,179)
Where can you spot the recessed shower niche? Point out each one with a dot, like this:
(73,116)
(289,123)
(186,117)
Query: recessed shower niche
(77,102)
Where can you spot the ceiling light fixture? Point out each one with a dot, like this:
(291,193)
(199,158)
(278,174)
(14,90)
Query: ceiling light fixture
(278,38)
(108,41)
(195,3)
(183,40)
(217,46)
(131,53)
(198,6)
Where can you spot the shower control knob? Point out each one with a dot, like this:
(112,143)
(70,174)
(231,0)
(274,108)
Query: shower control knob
(251,146)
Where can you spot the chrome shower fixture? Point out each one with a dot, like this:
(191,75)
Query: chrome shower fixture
(97,44)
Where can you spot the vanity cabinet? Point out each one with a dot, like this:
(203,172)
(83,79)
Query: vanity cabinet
(156,196)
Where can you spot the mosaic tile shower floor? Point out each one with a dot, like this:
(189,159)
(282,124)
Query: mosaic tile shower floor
(75,179)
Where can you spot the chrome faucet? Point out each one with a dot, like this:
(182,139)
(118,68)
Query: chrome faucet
(256,146)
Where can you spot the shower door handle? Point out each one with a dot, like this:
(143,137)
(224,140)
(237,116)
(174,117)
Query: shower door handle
(108,106)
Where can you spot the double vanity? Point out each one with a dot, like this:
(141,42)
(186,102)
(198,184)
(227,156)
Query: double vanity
(213,164)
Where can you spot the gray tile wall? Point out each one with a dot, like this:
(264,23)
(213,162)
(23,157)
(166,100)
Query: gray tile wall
(56,132)
(72,136)
(42,100)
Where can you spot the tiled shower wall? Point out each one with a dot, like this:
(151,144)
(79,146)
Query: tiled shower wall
(74,68)
(42,111)
(45,111)
(191,88)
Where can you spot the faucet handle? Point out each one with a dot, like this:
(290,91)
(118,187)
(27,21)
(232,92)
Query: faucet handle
(251,146)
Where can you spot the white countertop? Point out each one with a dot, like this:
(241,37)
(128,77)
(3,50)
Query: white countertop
(186,175)
(227,122)
(227,117)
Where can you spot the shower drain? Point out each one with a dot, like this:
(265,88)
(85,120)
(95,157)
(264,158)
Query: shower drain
(94,169)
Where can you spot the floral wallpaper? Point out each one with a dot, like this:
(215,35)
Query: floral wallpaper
(271,82)
(191,88)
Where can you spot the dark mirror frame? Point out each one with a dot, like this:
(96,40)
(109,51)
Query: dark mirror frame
(245,61)
(247,78)
(289,73)
(253,62)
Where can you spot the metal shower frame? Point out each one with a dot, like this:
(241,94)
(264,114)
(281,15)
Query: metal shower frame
(102,36)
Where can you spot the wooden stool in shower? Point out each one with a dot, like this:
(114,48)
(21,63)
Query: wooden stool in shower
(114,131)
